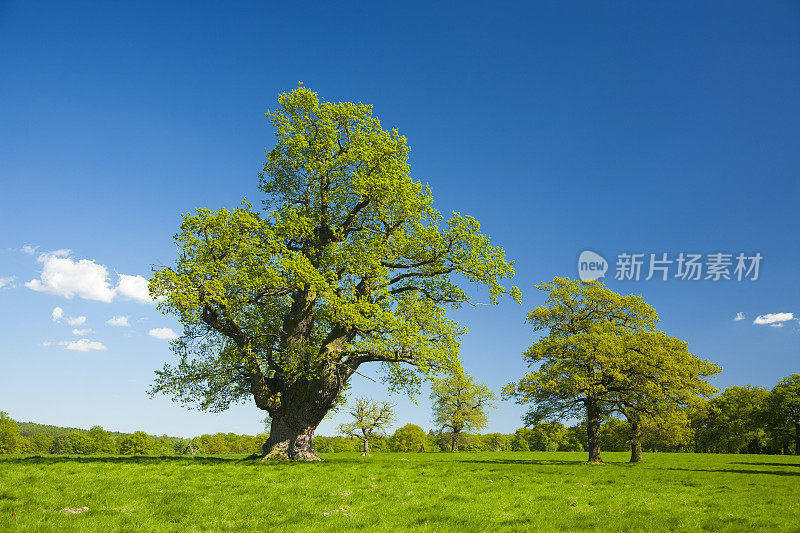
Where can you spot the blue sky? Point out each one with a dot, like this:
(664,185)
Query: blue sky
(617,128)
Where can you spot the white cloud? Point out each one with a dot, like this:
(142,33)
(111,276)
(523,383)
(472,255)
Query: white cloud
(7,283)
(63,276)
(773,319)
(739,316)
(28,249)
(133,288)
(76,320)
(82,345)
(47,343)
(163,333)
(82,332)
(119,321)
(58,315)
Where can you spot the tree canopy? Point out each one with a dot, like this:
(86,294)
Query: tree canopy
(459,404)
(783,411)
(603,353)
(369,418)
(346,263)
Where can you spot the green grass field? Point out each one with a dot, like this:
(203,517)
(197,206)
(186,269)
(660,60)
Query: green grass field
(459,492)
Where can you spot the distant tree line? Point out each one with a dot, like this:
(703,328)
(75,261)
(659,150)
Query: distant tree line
(38,439)
(748,419)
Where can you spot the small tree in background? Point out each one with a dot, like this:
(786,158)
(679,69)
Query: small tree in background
(783,411)
(101,440)
(459,404)
(409,438)
(9,434)
(138,443)
(369,418)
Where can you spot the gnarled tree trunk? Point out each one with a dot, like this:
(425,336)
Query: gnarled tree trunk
(366,446)
(302,408)
(593,429)
(290,441)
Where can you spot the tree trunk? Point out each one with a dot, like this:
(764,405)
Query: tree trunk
(593,429)
(797,438)
(366,446)
(291,436)
(636,440)
(290,441)
(454,442)
(636,452)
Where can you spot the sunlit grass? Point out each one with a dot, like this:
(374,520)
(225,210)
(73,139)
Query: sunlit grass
(459,492)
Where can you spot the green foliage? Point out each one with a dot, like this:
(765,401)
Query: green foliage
(409,438)
(731,422)
(102,441)
(40,443)
(782,414)
(9,434)
(603,353)
(497,442)
(459,404)
(348,263)
(519,443)
(370,418)
(138,443)
(337,444)
(62,445)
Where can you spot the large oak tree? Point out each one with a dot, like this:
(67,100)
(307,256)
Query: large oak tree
(347,263)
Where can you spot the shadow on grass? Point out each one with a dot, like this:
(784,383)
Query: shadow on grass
(126,459)
(541,462)
(797,465)
(740,471)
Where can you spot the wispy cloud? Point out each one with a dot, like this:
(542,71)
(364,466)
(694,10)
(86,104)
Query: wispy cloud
(739,316)
(76,320)
(82,345)
(773,319)
(63,276)
(7,283)
(163,333)
(119,321)
(28,249)
(58,315)
(82,332)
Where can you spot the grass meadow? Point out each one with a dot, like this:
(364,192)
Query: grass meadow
(461,492)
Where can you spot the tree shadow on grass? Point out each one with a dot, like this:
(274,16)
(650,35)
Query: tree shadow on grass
(125,459)
(796,465)
(739,471)
(539,462)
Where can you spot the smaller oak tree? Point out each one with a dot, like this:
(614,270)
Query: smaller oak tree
(459,404)
(369,418)
(603,353)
